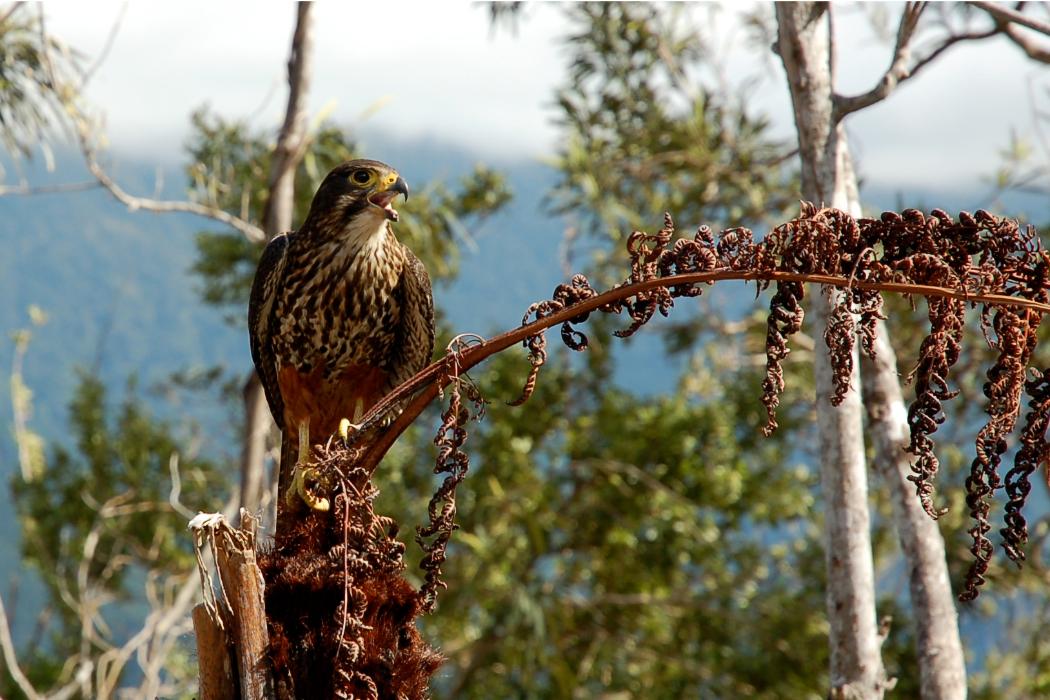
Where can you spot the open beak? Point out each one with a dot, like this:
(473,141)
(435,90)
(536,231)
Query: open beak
(385,199)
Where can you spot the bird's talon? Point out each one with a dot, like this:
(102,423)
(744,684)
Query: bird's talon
(304,482)
(345,426)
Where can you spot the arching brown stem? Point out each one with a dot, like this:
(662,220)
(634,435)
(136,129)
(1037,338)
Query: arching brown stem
(426,384)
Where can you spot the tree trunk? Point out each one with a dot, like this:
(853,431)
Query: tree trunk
(277,218)
(804,45)
(291,140)
(242,607)
(942,669)
(213,658)
(257,426)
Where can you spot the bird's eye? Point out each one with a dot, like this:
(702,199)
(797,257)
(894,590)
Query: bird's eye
(362,177)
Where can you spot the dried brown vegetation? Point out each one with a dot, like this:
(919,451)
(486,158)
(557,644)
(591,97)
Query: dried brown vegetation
(341,614)
(978,259)
(335,591)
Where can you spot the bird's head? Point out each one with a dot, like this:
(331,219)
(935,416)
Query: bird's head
(358,188)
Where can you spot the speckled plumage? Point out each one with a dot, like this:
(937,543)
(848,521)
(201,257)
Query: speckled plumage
(341,312)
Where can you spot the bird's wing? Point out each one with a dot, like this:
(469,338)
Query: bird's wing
(268,279)
(415,335)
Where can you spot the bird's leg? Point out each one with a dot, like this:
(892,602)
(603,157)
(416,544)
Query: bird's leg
(304,442)
(303,473)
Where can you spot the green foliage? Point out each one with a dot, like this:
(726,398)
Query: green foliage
(436,221)
(230,164)
(230,169)
(643,136)
(103,513)
(609,543)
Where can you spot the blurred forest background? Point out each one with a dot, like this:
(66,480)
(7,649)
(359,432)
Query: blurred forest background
(627,533)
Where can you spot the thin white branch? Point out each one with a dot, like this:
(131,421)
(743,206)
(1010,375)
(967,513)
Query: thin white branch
(845,105)
(152,642)
(805,45)
(172,622)
(84,132)
(942,666)
(11,658)
(292,140)
(250,231)
(176,487)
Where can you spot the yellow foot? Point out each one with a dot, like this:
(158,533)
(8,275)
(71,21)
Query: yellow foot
(303,479)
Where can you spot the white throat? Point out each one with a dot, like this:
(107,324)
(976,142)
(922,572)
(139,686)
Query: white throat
(366,230)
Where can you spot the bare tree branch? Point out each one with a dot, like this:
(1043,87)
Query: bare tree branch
(84,134)
(277,217)
(1031,49)
(291,141)
(252,232)
(1004,15)
(257,428)
(166,622)
(11,658)
(291,145)
(898,71)
(946,44)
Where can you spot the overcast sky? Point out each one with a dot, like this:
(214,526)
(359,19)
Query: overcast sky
(437,69)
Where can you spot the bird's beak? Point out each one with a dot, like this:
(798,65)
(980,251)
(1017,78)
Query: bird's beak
(385,197)
(400,186)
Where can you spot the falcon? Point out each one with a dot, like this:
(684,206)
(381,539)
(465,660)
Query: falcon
(341,312)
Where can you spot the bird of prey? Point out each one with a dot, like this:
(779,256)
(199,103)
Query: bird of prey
(341,312)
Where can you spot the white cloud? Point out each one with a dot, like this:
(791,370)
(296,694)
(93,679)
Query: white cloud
(438,69)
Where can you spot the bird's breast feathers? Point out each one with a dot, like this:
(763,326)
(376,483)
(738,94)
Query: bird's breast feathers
(339,306)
